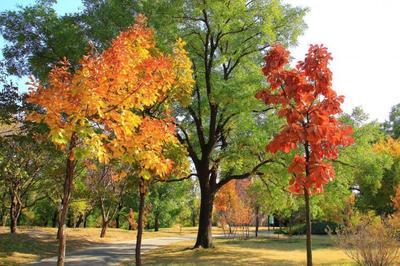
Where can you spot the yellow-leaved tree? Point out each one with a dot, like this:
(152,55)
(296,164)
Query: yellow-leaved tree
(116,106)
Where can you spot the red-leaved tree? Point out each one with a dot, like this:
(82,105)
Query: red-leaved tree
(305,98)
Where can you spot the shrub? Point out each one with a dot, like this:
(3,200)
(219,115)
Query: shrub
(370,242)
(317,228)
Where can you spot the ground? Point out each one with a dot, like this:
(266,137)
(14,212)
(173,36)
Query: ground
(170,246)
(34,243)
(266,250)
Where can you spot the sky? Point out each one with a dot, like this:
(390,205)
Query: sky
(362,35)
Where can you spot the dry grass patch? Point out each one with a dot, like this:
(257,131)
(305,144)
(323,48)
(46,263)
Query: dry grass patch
(34,243)
(254,251)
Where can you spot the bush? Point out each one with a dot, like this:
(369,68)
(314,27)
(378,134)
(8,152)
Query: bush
(317,228)
(370,242)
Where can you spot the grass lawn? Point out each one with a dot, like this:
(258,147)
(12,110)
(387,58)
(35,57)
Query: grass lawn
(33,243)
(269,250)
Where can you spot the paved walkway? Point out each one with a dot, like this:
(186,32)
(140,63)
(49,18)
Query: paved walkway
(116,253)
(110,254)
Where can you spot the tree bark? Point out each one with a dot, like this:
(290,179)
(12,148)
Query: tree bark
(104,229)
(15,211)
(85,218)
(142,196)
(257,219)
(4,219)
(117,217)
(156,221)
(79,222)
(69,220)
(307,203)
(193,217)
(68,182)
(308,227)
(204,233)
(54,219)
(104,217)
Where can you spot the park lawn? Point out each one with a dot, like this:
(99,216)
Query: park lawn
(269,250)
(34,243)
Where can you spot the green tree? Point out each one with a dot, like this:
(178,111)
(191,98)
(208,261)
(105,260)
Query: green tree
(37,38)
(168,201)
(392,126)
(225,40)
(364,170)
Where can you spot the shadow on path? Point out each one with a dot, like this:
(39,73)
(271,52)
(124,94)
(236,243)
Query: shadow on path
(110,254)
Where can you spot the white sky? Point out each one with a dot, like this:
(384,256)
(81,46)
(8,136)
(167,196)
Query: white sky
(364,39)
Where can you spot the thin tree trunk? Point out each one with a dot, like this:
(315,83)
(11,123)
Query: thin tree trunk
(85,218)
(308,227)
(307,203)
(54,219)
(79,222)
(104,229)
(117,217)
(69,220)
(204,233)
(14,215)
(142,196)
(156,222)
(257,220)
(69,175)
(15,211)
(4,219)
(104,217)
(117,225)
(193,217)
(84,221)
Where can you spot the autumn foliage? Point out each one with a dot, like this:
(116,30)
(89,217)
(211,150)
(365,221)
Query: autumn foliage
(232,205)
(116,105)
(305,98)
(106,100)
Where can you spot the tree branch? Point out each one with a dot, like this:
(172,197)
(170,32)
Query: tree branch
(253,172)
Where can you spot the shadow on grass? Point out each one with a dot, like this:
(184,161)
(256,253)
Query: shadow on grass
(280,244)
(185,256)
(266,250)
(37,246)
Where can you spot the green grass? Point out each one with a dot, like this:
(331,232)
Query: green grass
(253,251)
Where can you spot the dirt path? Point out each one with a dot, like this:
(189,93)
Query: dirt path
(110,254)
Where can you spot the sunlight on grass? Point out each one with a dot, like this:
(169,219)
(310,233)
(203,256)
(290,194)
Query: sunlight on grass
(261,251)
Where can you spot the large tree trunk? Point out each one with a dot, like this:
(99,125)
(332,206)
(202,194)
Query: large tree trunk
(308,227)
(142,196)
(257,219)
(68,182)
(204,233)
